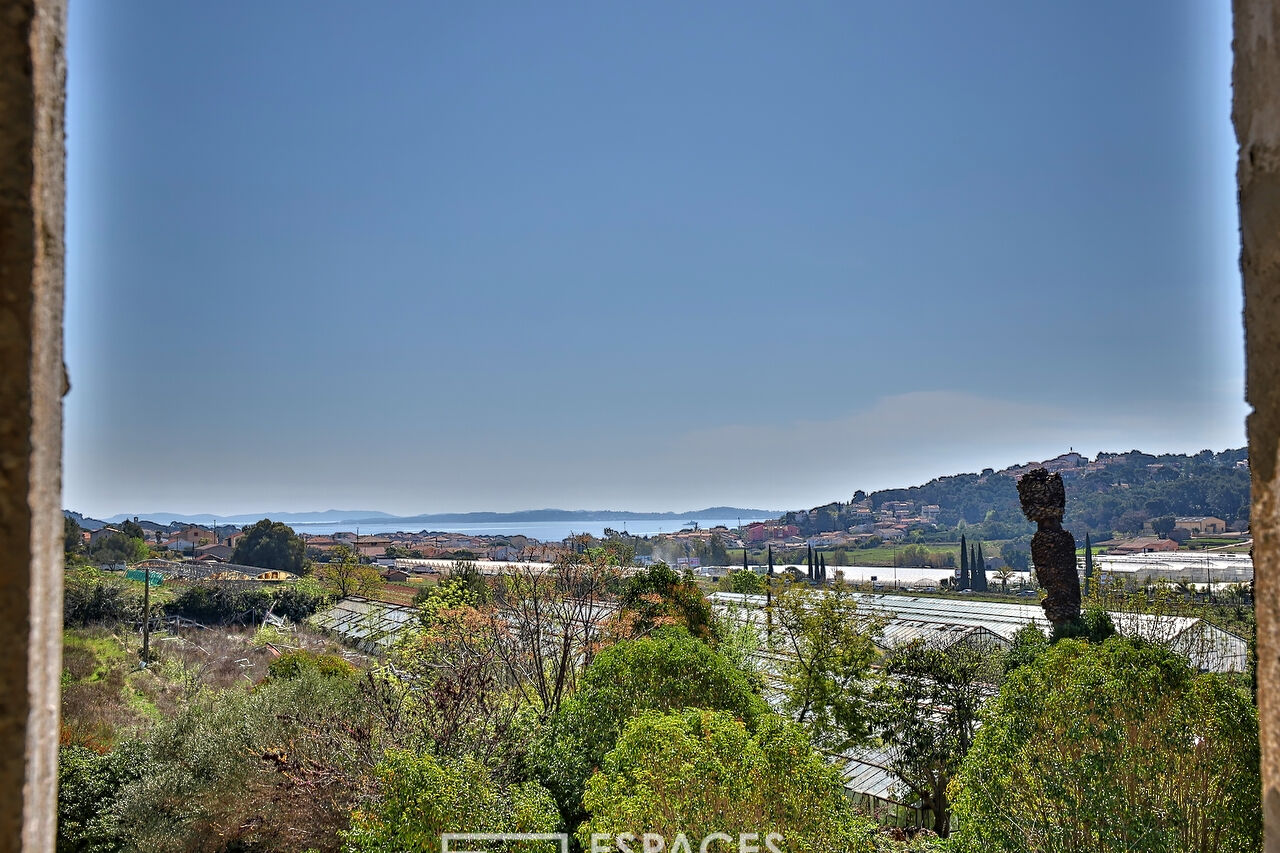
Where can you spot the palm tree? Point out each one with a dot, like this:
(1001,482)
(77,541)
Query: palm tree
(1004,573)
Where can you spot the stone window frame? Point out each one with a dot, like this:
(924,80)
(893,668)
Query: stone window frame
(33,381)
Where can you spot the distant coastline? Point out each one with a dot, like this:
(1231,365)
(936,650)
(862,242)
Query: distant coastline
(370,518)
(554,530)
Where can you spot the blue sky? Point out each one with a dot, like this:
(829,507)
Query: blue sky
(430,257)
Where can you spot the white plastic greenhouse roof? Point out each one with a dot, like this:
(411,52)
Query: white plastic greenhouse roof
(372,625)
(865,771)
(1209,647)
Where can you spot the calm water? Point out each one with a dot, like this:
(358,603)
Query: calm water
(547,531)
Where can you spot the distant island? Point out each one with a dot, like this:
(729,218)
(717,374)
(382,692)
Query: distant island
(336,516)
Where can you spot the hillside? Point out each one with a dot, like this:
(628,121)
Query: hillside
(1114,493)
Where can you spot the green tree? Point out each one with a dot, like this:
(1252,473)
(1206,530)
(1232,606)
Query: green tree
(463,585)
(659,596)
(717,555)
(699,771)
(1004,573)
(292,664)
(738,640)
(1117,746)
(421,797)
(978,569)
(118,548)
(743,581)
(668,670)
(1015,556)
(828,648)
(1028,643)
(94,597)
(963,581)
(133,530)
(1163,525)
(271,545)
(345,575)
(72,541)
(215,773)
(927,710)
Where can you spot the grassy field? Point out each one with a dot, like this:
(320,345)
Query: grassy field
(399,593)
(1234,546)
(105,694)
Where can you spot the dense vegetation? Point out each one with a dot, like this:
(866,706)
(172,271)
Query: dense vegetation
(1112,746)
(597,704)
(271,545)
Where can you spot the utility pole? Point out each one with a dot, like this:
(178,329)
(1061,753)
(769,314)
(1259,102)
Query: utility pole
(146,616)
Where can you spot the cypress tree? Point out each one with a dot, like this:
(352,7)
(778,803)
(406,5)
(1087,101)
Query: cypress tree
(980,579)
(1088,564)
(822,563)
(744,559)
(963,581)
(811,574)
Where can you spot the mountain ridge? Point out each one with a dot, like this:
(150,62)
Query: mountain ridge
(373,516)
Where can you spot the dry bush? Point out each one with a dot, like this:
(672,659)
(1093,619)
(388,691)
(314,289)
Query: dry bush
(79,663)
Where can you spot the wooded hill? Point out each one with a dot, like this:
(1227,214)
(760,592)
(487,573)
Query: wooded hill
(1115,493)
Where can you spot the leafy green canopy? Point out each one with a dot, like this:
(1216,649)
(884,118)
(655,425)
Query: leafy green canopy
(697,772)
(669,670)
(119,548)
(293,664)
(271,545)
(743,581)
(828,647)
(92,596)
(659,596)
(423,796)
(214,603)
(1112,747)
(927,711)
(87,780)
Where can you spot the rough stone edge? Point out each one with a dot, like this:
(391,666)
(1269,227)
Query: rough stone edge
(48,384)
(1256,116)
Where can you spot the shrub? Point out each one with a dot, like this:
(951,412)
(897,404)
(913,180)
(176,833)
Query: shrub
(697,772)
(294,663)
(221,604)
(422,796)
(88,785)
(278,767)
(91,596)
(298,600)
(1109,747)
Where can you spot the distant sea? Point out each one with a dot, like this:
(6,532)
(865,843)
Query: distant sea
(546,531)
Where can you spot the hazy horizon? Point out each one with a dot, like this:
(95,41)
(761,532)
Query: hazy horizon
(483,258)
(687,510)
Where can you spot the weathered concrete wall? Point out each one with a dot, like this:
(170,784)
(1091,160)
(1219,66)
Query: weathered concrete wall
(1256,114)
(32,86)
